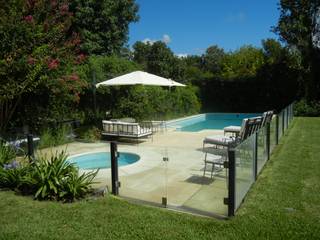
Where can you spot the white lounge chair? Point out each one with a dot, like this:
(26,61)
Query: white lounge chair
(125,129)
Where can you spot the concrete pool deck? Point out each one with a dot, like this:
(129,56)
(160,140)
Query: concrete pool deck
(150,179)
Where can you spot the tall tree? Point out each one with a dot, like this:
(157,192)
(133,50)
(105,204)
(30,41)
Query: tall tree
(299,26)
(141,53)
(157,58)
(103,24)
(213,58)
(242,64)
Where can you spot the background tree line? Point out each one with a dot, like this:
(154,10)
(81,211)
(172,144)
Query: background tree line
(53,52)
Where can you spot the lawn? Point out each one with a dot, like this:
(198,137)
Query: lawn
(283,204)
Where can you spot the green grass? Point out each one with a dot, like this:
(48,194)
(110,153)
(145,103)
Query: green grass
(283,204)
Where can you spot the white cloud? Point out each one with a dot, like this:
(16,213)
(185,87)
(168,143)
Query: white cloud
(148,40)
(182,55)
(236,17)
(165,38)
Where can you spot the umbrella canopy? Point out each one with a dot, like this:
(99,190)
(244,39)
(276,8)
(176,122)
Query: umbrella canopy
(140,78)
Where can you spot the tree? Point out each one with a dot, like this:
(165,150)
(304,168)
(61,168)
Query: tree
(299,27)
(241,64)
(141,53)
(213,58)
(37,52)
(157,58)
(160,59)
(103,24)
(279,72)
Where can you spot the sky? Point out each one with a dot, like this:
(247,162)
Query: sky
(191,26)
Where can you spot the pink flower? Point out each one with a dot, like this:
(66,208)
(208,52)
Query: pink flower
(80,58)
(53,64)
(31,60)
(53,3)
(28,19)
(64,9)
(74,77)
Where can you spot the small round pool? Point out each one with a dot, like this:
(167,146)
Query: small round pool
(102,160)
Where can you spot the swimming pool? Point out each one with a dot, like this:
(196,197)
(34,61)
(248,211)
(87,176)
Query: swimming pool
(102,160)
(209,121)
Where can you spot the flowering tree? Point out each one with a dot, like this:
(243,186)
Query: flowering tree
(38,52)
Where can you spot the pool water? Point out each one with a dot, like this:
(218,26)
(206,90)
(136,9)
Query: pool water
(102,160)
(216,121)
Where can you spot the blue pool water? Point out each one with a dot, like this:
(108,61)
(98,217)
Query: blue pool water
(102,160)
(210,121)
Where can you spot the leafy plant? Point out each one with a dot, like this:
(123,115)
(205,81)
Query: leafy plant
(303,108)
(57,179)
(7,154)
(56,137)
(76,186)
(16,176)
(89,134)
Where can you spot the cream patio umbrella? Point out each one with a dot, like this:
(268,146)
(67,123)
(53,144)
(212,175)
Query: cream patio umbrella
(140,78)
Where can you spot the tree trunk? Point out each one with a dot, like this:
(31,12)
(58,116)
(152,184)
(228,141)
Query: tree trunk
(7,109)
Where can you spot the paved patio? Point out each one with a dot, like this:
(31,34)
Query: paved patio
(180,179)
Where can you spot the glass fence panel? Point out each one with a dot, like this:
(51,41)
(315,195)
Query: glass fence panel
(244,169)
(143,174)
(90,157)
(273,129)
(196,177)
(261,149)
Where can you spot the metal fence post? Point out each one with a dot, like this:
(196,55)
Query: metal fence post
(288,115)
(255,154)
(277,129)
(268,140)
(282,122)
(30,147)
(231,182)
(114,168)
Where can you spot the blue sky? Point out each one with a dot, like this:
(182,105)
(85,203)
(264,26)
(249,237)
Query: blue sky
(191,26)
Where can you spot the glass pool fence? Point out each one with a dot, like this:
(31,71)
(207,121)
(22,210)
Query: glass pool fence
(187,178)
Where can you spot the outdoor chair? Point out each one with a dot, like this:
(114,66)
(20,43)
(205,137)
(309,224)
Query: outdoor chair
(249,125)
(125,129)
(217,153)
(215,160)
(235,130)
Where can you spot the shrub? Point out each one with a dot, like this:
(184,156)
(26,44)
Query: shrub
(89,134)
(305,109)
(58,179)
(55,137)
(13,176)
(7,154)
(53,179)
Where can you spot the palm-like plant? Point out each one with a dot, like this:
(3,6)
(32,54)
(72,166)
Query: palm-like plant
(59,179)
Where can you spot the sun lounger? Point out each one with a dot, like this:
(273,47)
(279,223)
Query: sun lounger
(125,129)
(249,126)
(267,116)
(217,153)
